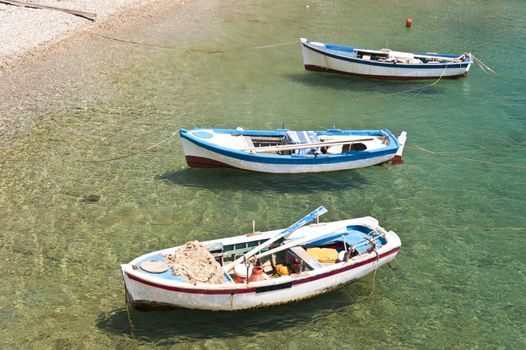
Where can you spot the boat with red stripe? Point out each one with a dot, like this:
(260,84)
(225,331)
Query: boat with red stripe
(260,268)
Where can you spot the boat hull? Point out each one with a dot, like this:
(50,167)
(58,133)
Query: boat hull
(316,59)
(145,294)
(200,157)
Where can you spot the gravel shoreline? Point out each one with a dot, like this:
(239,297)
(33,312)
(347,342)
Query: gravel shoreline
(27,33)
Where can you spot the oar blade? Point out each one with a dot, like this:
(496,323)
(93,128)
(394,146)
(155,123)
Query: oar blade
(305,220)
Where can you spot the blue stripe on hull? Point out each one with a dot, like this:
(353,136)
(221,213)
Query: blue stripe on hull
(295,160)
(314,68)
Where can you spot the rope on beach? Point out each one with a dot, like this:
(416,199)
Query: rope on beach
(132,154)
(448,155)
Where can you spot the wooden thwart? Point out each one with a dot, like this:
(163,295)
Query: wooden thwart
(88,15)
(304,145)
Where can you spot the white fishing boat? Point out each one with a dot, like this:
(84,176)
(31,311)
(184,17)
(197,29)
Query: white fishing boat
(286,151)
(260,268)
(384,63)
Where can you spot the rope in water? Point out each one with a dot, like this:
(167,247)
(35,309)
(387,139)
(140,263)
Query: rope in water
(420,87)
(133,42)
(172,47)
(253,48)
(487,69)
(478,228)
(229,223)
(448,155)
(132,154)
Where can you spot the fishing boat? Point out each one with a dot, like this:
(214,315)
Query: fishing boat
(260,268)
(286,151)
(383,63)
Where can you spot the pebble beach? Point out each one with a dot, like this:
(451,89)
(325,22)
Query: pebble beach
(26,33)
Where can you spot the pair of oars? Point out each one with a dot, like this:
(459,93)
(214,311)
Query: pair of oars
(283,234)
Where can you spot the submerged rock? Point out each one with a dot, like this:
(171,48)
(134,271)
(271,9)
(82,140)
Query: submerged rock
(90,198)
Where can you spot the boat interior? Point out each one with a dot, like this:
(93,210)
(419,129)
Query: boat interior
(282,257)
(310,143)
(388,55)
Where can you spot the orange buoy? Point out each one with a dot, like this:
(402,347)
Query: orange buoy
(409,22)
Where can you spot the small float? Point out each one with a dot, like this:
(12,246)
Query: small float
(384,63)
(260,268)
(286,151)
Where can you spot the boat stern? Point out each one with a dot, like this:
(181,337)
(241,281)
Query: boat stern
(397,159)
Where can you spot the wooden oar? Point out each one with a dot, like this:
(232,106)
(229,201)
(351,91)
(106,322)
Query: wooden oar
(304,145)
(283,234)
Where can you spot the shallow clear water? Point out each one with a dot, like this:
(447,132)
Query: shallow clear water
(79,195)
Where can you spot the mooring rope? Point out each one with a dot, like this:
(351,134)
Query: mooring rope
(373,288)
(130,320)
(468,228)
(133,42)
(492,73)
(484,66)
(134,153)
(417,88)
(172,47)
(270,46)
(448,155)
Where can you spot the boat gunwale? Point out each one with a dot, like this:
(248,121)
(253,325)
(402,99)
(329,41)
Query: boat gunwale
(310,276)
(402,65)
(390,148)
(392,246)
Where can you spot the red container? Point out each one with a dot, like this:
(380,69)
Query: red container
(257,274)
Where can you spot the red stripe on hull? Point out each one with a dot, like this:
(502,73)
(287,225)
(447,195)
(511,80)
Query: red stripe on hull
(253,290)
(191,291)
(314,68)
(200,162)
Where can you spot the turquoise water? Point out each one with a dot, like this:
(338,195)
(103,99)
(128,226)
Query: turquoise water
(80,195)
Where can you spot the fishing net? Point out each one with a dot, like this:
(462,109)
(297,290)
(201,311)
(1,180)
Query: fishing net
(195,262)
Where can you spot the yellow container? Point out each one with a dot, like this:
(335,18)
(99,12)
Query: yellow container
(324,255)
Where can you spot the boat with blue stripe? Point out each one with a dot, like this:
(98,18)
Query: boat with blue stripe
(383,63)
(288,151)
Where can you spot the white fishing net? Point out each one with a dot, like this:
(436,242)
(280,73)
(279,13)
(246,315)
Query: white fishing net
(195,262)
